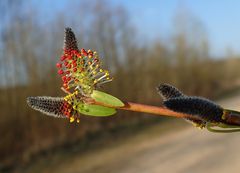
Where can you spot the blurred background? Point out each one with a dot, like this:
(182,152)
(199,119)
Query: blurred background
(193,45)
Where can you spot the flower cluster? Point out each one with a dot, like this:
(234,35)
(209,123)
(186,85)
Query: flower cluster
(81,73)
(71,105)
(81,70)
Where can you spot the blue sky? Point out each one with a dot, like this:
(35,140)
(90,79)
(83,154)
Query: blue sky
(220,18)
(154,19)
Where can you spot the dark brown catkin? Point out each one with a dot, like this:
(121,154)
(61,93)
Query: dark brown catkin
(197,106)
(167,91)
(70,41)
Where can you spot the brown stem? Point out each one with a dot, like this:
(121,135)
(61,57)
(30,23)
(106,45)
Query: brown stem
(160,111)
(230,117)
(152,110)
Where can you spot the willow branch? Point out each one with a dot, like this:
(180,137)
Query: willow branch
(129,106)
(136,107)
(233,118)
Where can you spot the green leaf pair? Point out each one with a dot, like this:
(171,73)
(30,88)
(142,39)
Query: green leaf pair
(100,111)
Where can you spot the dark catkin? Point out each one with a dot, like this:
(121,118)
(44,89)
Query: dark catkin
(52,106)
(70,41)
(167,91)
(200,107)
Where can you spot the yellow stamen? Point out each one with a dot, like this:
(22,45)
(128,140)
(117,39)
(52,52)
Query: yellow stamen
(71,119)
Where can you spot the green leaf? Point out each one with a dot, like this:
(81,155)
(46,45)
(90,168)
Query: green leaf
(106,99)
(96,110)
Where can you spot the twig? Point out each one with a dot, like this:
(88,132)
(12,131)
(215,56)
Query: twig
(231,118)
(129,106)
(160,111)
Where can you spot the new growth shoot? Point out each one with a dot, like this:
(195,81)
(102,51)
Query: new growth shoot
(82,75)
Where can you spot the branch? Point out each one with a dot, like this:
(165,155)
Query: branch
(136,107)
(162,111)
(231,117)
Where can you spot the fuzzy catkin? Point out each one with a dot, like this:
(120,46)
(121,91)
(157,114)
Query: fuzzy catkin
(197,106)
(168,91)
(70,41)
(52,106)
